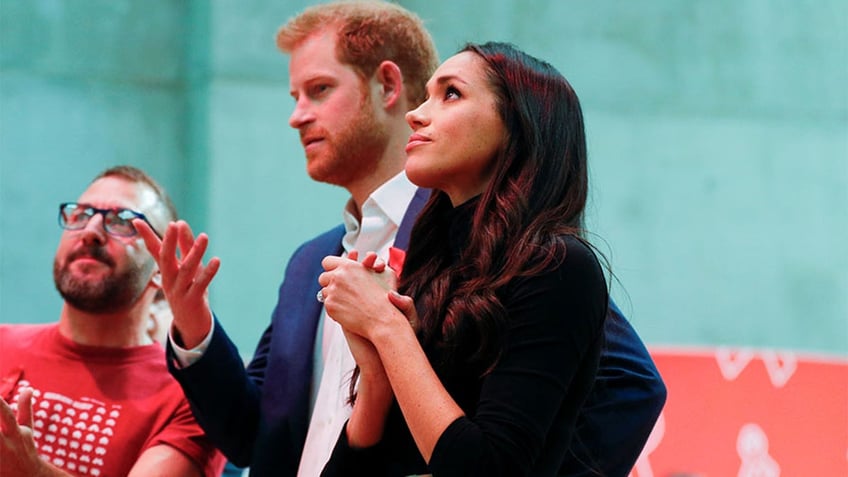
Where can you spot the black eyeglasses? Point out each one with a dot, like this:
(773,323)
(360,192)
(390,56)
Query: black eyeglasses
(118,222)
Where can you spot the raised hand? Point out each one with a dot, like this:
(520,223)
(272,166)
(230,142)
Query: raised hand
(18,453)
(185,280)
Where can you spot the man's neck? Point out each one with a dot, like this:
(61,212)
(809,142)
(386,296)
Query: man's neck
(390,164)
(360,194)
(109,330)
(361,191)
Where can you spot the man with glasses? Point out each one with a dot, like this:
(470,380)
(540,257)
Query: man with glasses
(91,395)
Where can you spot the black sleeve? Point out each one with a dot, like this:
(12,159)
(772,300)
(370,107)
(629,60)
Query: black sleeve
(352,462)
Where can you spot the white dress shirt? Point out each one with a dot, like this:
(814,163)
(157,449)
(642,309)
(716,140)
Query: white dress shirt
(382,214)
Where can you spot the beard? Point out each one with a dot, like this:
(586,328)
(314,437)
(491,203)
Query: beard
(354,152)
(113,293)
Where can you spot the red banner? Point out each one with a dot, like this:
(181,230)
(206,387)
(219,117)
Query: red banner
(749,413)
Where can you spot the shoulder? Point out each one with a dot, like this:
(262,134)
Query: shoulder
(579,273)
(574,279)
(329,240)
(580,257)
(21,333)
(327,243)
(305,263)
(568,257)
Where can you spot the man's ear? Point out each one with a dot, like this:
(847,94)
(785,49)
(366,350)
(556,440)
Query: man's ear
(391,83)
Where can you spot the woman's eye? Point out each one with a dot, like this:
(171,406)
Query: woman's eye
(452,93)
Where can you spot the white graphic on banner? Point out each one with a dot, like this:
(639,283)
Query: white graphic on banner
(731,363)
(71,434)
(752,446)
(779,366)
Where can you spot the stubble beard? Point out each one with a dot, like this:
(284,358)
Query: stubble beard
(355,152)
(114,293)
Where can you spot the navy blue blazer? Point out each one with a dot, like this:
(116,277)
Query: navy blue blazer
(259,415)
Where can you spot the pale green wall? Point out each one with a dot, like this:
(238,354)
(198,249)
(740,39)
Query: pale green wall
(83,85)
(718,135)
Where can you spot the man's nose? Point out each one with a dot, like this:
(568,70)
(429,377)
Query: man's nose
(94,231)
(301,115)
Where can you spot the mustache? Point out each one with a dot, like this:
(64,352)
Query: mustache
(312,131)
(96,253)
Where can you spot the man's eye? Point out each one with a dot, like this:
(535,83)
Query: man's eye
(319,89)
(118,221)
(79,215)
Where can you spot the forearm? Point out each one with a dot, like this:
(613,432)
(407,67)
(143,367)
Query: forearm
(224,398)
(191,331)
(426,405)
(164,461)
(368,418)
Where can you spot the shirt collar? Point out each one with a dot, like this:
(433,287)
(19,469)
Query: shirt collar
(390,199)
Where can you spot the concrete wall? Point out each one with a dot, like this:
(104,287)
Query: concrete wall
(718,139)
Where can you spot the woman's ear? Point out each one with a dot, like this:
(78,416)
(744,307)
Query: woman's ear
(391,82)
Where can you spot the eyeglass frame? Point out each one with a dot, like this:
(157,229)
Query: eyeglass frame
(103,213)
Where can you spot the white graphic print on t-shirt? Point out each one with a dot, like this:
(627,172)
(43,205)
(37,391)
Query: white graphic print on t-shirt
(72,434)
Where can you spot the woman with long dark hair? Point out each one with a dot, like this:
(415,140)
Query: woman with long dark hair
(479,362)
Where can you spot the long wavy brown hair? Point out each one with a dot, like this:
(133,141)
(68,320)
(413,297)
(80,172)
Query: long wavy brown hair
(537,196)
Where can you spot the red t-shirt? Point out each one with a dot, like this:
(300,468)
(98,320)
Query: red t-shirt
(96,410)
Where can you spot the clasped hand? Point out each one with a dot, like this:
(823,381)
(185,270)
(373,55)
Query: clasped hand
(362,296)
